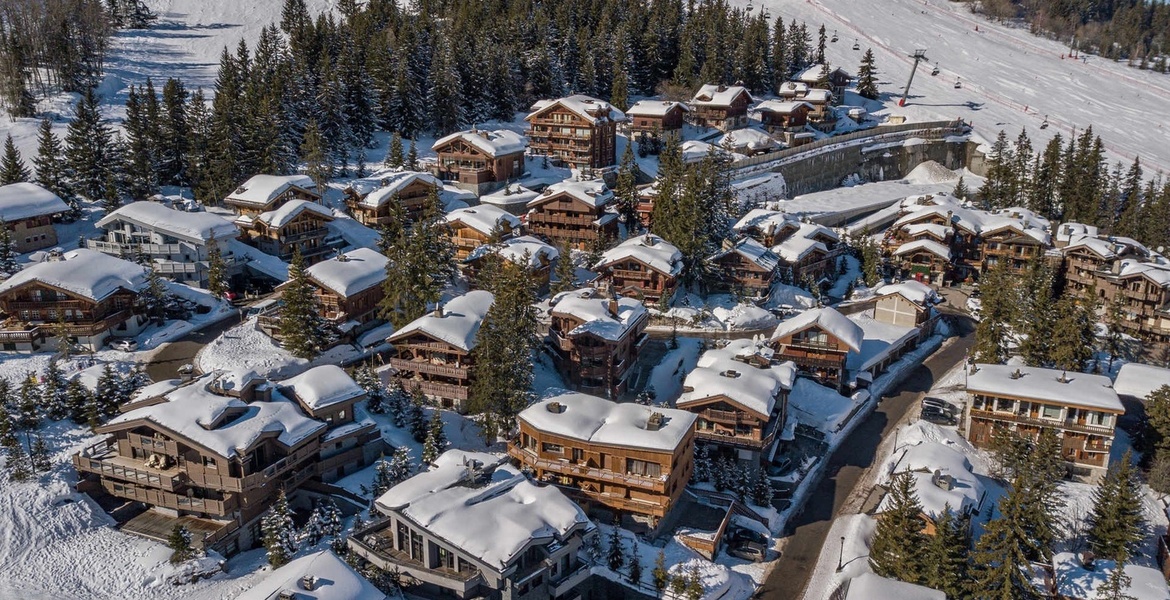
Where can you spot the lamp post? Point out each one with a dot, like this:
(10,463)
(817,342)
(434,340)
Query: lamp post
(841,555)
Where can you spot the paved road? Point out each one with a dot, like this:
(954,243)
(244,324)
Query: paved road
(166,362)
(789,577)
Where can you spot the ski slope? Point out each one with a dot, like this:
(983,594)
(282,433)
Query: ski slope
(1010,78)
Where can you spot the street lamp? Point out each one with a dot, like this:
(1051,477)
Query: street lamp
(841,555)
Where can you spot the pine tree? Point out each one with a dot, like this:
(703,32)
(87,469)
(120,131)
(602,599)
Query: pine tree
(436,440)
(660,575)
(318,166)
(369,381)
(898,541)
(77,400)
(503,352)
(626,190)
(702,469)
(279,532)
(154,295)
(180,544)
(694,586)
(39,458)
(1115,524)
(961,192)
(331,524)
(383,477)
(19,466)
(635,565)
(565,272)
(300,325)
(1036,316)
(412,156)
(761,491)
(819,58)
(616,556)
(998,310)
(394,158)
(8,262)
(12,169)
(443,90)
(216,270)
(1074,332)
(173,133)
(88,149)
(867,78)
(416,417)
(1115,319)
(947,554)
(49,164)
(313,529)
(28,415)
(1001,568)
(53,392)
(619,96)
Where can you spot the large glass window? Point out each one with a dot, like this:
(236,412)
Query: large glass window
(643,468)
(1051,412)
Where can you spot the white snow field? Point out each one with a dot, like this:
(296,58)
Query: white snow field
(1010,78)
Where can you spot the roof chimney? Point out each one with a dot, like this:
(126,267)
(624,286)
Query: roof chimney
(654,423)
(342,258)
(308,582)
(1087,557)
(439,310)
(612,306)
(1017,374)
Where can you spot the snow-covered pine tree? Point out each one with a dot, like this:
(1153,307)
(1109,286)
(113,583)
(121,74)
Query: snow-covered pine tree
(1116,526)
(761,491)
(49,164)
(301,331)
(443,89)
(279,532)
(436,440)
(867,77)
(19,467)
(369,381)
(28,414)
(401,466)
(898,541)
(416,418)
(77,400)
(53,392)
(180,544)
(615,557)
(7,436)
(105,397)
(396,402)
(12,168)
(154,295)
(331,524)
(8,262)
(961,191)
(318,165)
(626,190)
(1117,585)
(394,154)
(412,155)
(216,270)
(948,554)
(88,149)
(702,469)
(312,531)
(635,564)
(38,455)
(565,272)
(383,479)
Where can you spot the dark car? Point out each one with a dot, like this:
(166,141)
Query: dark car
(753,551)
(938,417)
(781,467)
(743,534)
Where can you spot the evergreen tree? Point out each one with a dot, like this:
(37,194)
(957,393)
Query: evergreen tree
(53,392)
(12,169)
(1157,427)
(961,192)
(279,532)
(660,575)
(871,259)
(330,517)
(761,491)
(619,96)
(1115,319)
(154,295)
(436,440)
(394,158)
(616,557)
(443,90)
(300,325)
(626,190)
(898,542)
(565,272)
(1036,316)
(318,166)
(174,133)
(19,466)
(996,191)
(28,414)
(998,310)
(383,477)
(635,565)
(49,164)
(412,156)
(38,456)
(947,554)
(369,381)
(1073,333)
(8,262)
(1001,568)
(416,418)
(867,78)
(216,270)
(819,58)
(1115,524)
(78,401)
(88,149)
(180,544)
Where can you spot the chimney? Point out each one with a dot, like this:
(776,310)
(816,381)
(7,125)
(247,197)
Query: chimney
(1116,267)
(439,310)
(612,306)
(308,582)
(1063,377)
(342,258)
(1087,558)
(555,407)
(649,240)
(654,423)
(1017,374)
(730,374)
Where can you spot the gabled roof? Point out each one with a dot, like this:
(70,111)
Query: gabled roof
(933,229)
(336,580)
(323,386)
(719,373)
(914,291)
(26,200)
(648,249)
(719,95)
(588,108)
(455,323)
(931,246)
(813,73)
(748,138)
(1074,581)
(765,220)
(516,249)
(197,227)
(392,183)
(783,107)
(495,143)
(593,310)
(597,420)
(793,87)
(484,218)
(1080,389)
(655,108)
(260,190)
(593,193)
(85,273)
(355,271)
(1138,380)
(291,210)
(795,248)
(752,251)
(1157,274)
(826,319)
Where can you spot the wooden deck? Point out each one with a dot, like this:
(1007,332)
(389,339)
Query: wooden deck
(157,526)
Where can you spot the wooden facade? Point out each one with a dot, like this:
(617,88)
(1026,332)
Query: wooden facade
(727,424)
(468,228)
(746,267)
(431,356)
(1119,276)
(578,131)
(408,189)
(32,233)
(780,118)
(582,222)
(281,237)
(593,363)
(264,193)
(645,267)
(655,117)
(480,161)
(721,107)
(817,351)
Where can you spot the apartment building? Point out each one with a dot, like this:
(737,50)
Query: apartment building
(578,131)
(594,340)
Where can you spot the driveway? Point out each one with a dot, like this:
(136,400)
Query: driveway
(808,529)
(167,360)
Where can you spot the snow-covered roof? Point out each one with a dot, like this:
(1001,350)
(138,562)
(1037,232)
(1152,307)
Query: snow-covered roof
(870,586)
(290,210)
(1138,380)
(654,108)
(594,192)
(593,310)
(493,143)
(828,320)
(796,247)
(648,249)
(748,138)
(493,522)
(588,108)
(818,96)
(86,273)
(598,421)
(879,340)
(457,323)
(694,151)
(509,195)
(914,291)
(517,249)
(335,580)
(1073,580)
(765,220)
(929,245)
(813,73)
(1081,389)
(793,88)
(721,372)
(359,270)
(392,183)
(1103,248)
(194,227)
(917,229)
(1156,273)
(1068,232)
(719,95)
(323,386)
(26,200)
(262,189)
(223,424)
(783,107)
(922,460)
(754,252)
(1020,220)
(485,219)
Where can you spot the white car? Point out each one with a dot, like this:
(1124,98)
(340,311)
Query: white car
(124,344)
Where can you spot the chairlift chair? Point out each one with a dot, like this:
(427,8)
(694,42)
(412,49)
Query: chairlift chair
(856,46)
(934,71)
(958,84)
(834,38)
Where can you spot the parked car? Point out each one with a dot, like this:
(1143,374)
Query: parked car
(938,417)
(939,405)
(123,344)
(781,467)
(739,535)
(753,551)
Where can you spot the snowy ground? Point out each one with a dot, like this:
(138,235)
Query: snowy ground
(246,347)
(1010,78)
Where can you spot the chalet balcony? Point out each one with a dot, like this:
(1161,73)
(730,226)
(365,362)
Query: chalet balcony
(1067,424)
(27,335)
(103,460)
(634,275)
(567,581)
(540,218)
(437,389)
(559,341)
(130,491)
(292,238)
(571,469)
(429,368)
(727,438)
(376,544)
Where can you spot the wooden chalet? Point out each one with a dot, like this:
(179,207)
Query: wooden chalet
(28,210)
(656,117)
(369,201)
(264,193)
(577,131)
(746,267)
(574,213)
(480,161)
(434,353)
(297,224)
(721,107)
(348,289)
(628,459)
(784,119)
(837,80)
(818,341)
(594,340)
(524,252)
(645,267)
(475,226)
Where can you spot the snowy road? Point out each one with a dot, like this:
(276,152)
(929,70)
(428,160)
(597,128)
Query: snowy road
(1010,78)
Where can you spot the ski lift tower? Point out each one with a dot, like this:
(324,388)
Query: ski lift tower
(918,56)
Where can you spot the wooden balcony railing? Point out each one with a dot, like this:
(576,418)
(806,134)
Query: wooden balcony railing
(378,548)
(130,491)
(565,467)
(1069,424)
(437,389)
(171,480)
(429,368)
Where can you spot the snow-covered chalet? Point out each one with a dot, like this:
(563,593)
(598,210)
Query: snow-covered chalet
(296,225)
(576,213)
(594,340)
(263,193)
(577,131)
(478,160)
(645,267)
(28,210)
(475,226)
(721,107)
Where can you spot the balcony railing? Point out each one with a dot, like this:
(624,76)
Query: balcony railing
(429,368)
(438,389)
(220,508)
(546,218)
(569,580)
(14,336)
(117,467)
(1069,424)
(379,549)
(578,470)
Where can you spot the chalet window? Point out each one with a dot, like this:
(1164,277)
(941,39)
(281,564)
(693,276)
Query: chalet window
(446,558)
(528,441)
(1097,418)
(403,536)
(643,468)
(209,463)
(1051,412)
(26,315)
(416,546)
(578,454)
(552,448)
(1004,404)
